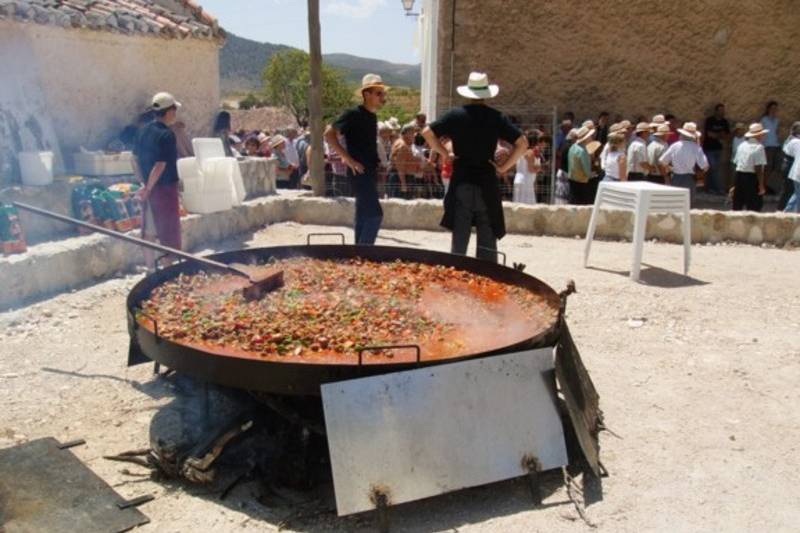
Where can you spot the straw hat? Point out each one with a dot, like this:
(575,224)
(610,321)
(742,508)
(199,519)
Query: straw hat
(657,121)
(588,124)
(276,141)
(625,124)
(690,130)
(583,134)
(643,126)
(262,138)
(592,147)
(371,81)
(755,130)
(740,126)
(393,123)
(384,126)
(616,127)
(662,130)
(477,87)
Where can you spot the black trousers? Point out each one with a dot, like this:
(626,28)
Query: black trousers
(745,192)
(656,178)
(635,176)
(581,193)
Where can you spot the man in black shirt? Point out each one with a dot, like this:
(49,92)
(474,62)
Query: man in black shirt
(473,198)
(359,126)
(717,130)
(156,165)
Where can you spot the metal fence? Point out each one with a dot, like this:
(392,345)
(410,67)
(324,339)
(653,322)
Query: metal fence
(430,185)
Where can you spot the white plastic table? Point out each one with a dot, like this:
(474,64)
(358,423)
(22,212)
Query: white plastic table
(642,197)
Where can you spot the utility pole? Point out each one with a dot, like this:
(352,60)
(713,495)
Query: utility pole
(317,164)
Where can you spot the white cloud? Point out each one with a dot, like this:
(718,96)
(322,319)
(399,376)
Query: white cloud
(357,9)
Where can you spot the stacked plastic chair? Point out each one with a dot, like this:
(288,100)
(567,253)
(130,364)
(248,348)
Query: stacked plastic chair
(211,181)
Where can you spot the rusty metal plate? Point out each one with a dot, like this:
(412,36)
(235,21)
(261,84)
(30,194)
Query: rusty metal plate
(430,431)
(581,398)
(43,488)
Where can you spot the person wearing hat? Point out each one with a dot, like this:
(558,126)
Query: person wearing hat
(791,152)
(286,170)
(473,198)
(580,168)
(155,164)
(638,163)
(658,145)
(682,158)
(359,126)
(615,129)
(751,163)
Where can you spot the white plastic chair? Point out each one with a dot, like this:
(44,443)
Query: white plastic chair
(202,195)
(642,197)
(215,167)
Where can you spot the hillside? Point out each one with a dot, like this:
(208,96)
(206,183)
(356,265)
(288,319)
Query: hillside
(241,62)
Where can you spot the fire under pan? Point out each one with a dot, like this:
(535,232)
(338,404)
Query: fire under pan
(44,488)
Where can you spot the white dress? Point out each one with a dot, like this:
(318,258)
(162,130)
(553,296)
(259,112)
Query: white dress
(524,183)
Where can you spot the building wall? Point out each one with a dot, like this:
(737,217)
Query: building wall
(632,58)
(94,83)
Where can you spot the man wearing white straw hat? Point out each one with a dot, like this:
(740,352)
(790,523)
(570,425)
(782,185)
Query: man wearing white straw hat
(683,158)
(751,164)
(638,164)
(658,145)
(579,164)
(359,126)
(473,198)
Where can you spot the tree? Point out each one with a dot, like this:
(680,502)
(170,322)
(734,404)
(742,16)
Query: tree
(287,81)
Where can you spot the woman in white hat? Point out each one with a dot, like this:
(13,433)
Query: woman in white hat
(615,161)
(751,164)
(473,198)
(528,166)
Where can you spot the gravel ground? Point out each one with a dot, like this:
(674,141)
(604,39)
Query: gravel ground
(697,377)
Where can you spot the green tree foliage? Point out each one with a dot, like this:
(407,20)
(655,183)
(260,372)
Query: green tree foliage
(286,83)
(250,101)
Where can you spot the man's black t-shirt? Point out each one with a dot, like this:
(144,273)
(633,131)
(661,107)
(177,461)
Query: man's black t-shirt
(155,143)
(360,129)
(717,125)
(474,130)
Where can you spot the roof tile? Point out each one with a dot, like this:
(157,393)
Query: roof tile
(134,17)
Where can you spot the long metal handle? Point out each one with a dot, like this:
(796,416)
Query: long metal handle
(128,238)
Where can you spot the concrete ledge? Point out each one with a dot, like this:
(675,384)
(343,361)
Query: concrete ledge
(53,267)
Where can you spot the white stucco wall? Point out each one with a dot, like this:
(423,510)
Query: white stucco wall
(95,82)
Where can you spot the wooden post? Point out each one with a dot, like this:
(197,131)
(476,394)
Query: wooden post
(316,165)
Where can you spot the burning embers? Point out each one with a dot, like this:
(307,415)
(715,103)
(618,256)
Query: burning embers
(329,310)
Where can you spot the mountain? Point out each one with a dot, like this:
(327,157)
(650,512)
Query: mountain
(241,62)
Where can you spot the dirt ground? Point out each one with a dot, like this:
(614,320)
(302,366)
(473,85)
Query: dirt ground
(697,376)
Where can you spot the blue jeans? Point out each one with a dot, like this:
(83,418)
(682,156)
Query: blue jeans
(687,182)
(713,178)
(793,205)
(369,213)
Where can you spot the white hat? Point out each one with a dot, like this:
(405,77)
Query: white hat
(662,130)
(477,87)
(384,126)
(583,134)
(276,141)
(393,123)
(371,80)
(642,127)
(262,138)
(163,101)
(690,130)
(588,123)
(657,121)
(755,130)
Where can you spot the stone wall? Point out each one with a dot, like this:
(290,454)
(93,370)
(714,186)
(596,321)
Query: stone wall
(632,58)
(57,266)
(94,83)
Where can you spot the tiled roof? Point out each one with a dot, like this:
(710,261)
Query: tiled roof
(165,18)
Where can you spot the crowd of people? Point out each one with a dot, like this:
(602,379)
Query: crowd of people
(662,150)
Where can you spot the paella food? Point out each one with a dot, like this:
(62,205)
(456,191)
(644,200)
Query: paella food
(329,309)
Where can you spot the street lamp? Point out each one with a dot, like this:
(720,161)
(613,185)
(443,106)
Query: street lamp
(408,5)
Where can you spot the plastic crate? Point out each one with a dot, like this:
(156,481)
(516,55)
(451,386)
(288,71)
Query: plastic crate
(101,164)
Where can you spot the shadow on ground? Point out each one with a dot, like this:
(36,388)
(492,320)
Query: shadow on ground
(657,277)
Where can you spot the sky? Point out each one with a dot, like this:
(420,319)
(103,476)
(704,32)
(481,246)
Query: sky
(377,29)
